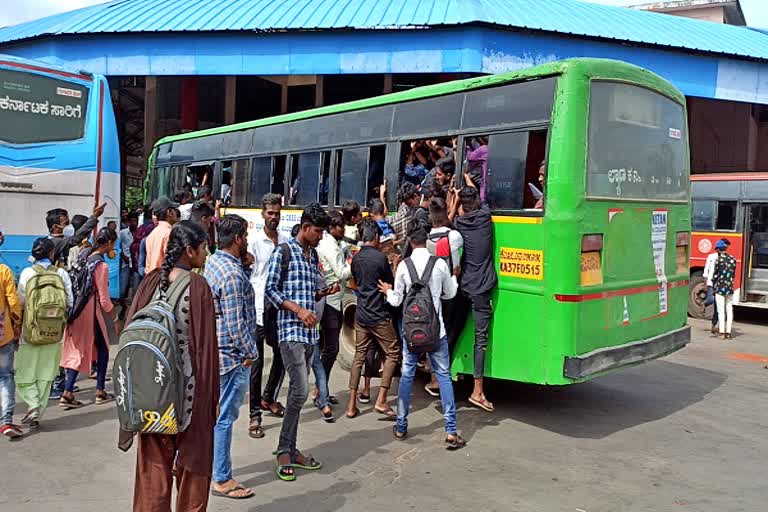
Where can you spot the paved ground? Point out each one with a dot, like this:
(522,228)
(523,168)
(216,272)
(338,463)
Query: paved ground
(684,433)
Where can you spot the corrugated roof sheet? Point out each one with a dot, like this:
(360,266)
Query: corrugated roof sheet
(561,16)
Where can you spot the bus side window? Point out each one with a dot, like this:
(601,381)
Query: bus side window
(360,173)
(278,175)
(305,179)
(703,215)
(240,178)
(325,178)
(375,172)
(726,215)
(261,180)
(418,158)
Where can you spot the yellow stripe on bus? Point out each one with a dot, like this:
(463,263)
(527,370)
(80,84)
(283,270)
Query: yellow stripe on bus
(516,220)
(717,233)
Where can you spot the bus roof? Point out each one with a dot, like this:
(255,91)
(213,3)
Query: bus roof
(731,176)
(42,67)
(587,67)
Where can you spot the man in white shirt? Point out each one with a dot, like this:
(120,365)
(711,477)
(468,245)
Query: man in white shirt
(442,286)
(709,271)
(335,270)
(261,247)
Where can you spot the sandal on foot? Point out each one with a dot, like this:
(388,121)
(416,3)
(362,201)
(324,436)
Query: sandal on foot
(364,399)
(255,430)
(285,472)
(400,436)
(32,415)
(482,403)
(455,443)
(230,493)
(333,399)
(327,416)
(388,413)
(104,399)
(432,391)
(310,464)
(69,403)
(354,414)
(275,408)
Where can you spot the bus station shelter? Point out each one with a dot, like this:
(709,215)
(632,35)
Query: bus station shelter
(181,65)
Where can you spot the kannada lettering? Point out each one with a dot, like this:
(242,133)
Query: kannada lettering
(619,176)
(46,108)
(521,263)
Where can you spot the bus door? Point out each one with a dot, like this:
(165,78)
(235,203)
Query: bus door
(756,253)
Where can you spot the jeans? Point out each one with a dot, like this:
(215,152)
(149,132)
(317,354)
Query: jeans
(274,381)
(58,381)
(440,361)
(725,312)
(329,338)
(321,380)
(297,358)
(481,314)
(7,383)
(232,388)
(102,361)
(129,278)
(709,301)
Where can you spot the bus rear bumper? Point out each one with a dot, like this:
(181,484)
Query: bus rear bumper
(609,358)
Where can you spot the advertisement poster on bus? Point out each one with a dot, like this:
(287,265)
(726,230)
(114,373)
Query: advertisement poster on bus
(659,245)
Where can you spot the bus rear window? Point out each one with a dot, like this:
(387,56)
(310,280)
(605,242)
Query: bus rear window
(637,145)
(36,108)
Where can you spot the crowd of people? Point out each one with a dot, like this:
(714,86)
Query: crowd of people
(233,298)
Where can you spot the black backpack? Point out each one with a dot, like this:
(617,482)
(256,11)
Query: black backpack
(148,371)
(421,325)
(81,275)
(269,318)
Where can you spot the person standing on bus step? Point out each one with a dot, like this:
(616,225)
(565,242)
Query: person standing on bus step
(296,297)
(261,247)
(65,238)
(10,330)
(446,243)
(373,320)
(92,328)
(38,365)
(478,279)
(236,329)
(708,274)
(167,213)
(190,452)
(442,286)
(336,270)
(722,282)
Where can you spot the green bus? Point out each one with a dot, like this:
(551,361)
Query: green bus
(595,280)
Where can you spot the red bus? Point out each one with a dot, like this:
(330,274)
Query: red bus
(732,206)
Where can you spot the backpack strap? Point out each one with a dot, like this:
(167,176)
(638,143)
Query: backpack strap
(285,260)
(411,270)
(436,237)
(176,289)
(428,270)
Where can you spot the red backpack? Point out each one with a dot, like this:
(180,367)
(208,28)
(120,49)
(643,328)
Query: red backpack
(442,247)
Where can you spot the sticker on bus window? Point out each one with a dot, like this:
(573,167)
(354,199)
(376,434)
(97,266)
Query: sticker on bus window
(675,133)
(72,93)
(521,263)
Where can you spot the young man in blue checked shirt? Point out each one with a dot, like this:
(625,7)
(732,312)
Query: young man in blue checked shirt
(297,329)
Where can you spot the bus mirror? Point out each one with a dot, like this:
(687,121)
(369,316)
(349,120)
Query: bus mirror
(592,243)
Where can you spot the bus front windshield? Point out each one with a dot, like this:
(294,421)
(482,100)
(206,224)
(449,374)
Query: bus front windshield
(36,108)
(637,145)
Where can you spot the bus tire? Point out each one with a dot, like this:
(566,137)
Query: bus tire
(347,335)
(697,293)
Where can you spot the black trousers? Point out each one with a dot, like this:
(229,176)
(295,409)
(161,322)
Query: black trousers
(274,380)
(329,338)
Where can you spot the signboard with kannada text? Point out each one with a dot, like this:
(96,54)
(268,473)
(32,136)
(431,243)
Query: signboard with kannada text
(521,263)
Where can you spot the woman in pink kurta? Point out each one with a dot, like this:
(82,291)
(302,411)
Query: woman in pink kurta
(87,336)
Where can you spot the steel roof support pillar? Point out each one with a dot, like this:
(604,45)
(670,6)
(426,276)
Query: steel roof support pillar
(319,90)
(230,99)
(190,103)
(151,116)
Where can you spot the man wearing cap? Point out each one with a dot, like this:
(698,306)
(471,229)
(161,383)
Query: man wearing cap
(167,213)
(708,274)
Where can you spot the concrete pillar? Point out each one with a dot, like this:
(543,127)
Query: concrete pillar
(230,99)
(283,98)
(190,103)
(387,83)
(151,114)
(753,137)
(319,91)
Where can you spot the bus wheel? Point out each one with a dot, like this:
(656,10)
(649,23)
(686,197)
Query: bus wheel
(347,336)
(696,297)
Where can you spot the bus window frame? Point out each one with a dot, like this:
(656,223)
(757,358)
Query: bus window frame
(294,158)
(587,149)
(336,167)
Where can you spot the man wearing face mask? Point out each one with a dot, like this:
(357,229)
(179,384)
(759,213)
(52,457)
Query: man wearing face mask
(64,235)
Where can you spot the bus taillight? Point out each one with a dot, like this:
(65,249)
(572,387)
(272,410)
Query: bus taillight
(591,260)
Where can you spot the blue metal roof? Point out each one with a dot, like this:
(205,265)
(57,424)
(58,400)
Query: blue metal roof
(560,16)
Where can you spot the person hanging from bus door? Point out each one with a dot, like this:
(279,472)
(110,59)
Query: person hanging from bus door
(442,286)
(91,328)
(446,243)
(722,282)
(708,274)
(261,247)
(478,276)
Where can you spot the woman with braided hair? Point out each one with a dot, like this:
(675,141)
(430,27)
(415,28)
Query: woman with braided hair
(190,451)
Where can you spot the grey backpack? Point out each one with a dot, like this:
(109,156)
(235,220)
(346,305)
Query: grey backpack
(148,372)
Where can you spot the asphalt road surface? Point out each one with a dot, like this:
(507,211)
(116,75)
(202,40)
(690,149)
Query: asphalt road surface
(685,433)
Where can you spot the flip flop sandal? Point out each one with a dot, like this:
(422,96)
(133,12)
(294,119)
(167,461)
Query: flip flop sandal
(328,418)
(400,436)
(255,431)
(482,404)
(104,399)
(69,403)
(229,493)
(278,411)
(389,414)
(354,415)
(32,415)
(282,472)
(455,443)
(333,400)
(310,464)
(364,399)
(432,391)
